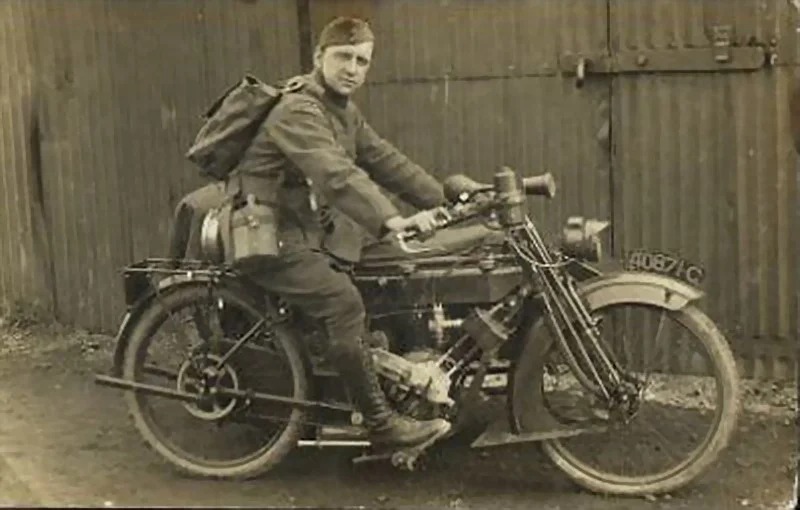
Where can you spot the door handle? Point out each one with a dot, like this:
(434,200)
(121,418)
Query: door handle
(580,72)
(581,65)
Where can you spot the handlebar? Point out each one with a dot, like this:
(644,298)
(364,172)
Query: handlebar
(471,198)
(444,216)
(458,185)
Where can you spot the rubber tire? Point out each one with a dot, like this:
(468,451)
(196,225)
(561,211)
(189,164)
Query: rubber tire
(288,438)
(704,329)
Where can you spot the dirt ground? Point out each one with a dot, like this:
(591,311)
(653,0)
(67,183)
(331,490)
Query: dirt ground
(65,441)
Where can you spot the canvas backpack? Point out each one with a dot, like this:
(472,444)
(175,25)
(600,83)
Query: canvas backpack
(231,123)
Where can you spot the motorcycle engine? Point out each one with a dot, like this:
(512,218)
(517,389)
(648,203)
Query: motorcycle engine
(406,353)
(416,373)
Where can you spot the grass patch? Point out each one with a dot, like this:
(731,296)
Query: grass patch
(21,314)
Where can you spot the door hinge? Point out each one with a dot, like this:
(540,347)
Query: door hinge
(722,35)
(721,56)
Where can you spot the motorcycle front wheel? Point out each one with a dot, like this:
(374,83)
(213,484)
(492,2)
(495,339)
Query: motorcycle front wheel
(179,344)
(685,387)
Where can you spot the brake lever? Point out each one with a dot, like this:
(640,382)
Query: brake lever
(444,218)
(401,241)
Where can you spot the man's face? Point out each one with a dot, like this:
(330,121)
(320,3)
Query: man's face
(345,67)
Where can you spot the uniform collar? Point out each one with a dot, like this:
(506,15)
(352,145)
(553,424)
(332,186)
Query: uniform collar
(317,87)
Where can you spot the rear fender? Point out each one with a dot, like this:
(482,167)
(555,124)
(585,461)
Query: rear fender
(167,285)
(525,402)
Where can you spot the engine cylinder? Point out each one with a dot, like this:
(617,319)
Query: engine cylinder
(487,332)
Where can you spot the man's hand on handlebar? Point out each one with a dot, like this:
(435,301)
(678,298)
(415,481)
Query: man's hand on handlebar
(468,199)
(422,222)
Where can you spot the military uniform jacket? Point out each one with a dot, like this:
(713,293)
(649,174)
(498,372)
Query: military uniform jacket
(319,164)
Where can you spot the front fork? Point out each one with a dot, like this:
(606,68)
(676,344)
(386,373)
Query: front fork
(578,338)
(570,322)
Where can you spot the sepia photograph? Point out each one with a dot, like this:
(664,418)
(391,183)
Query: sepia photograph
(434,254)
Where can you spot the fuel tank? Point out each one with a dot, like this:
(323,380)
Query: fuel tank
(447,241)
(467,263)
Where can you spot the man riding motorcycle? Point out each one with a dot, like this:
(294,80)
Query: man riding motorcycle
(316,161)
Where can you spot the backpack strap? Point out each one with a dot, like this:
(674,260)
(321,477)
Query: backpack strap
(294,85)
(234,186)
(218,103)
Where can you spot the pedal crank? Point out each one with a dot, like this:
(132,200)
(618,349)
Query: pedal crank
(406,459)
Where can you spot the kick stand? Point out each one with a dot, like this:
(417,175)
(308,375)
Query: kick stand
(403,457)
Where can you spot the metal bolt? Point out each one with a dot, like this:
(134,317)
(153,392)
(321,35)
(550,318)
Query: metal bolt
(641,60)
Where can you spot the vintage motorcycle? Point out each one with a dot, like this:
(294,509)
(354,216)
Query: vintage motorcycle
(510,337)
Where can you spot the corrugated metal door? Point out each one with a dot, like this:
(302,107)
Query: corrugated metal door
(471,86)
(702,162)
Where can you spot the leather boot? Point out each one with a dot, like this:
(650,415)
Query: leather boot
(385,426)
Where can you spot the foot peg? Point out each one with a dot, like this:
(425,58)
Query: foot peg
(406,457)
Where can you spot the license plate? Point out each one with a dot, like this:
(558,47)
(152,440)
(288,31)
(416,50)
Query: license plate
(665,264)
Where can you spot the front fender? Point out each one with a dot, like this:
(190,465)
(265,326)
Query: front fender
(526,403)
(637,287)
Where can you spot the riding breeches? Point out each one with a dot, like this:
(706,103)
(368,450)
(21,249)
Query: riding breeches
(307,279)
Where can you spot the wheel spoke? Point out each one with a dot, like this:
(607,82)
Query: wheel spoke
(656,344)
(213,436)
(665,434)
(662,436)
(202,323)
(177,329)
(626,345)
(215,324)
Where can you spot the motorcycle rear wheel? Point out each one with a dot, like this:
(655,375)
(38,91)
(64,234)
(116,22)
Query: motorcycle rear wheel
(723,364)
(251,464)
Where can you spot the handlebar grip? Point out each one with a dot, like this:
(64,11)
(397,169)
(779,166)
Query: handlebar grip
(442,218)
(542,185)
(455,185)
